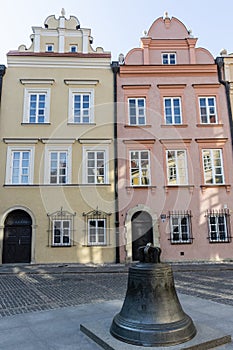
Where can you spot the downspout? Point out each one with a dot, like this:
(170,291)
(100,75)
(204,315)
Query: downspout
(2,72)
(220,64)
(115,69)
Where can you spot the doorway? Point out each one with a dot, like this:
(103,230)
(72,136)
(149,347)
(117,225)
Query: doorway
(142,232)
(17,237)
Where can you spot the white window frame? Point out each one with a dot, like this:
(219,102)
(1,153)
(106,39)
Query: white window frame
(217,225)
(172,100)
(86,150)
(47,47)
(178,226)
(62,234)
(138,109)
(34,91)
(96,242)
(175,178)
(209,114)
(211,167)
(141,177)
(169,54)
(72,93)
(9,165)
(47,165)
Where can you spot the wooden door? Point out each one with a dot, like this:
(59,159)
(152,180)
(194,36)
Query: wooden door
(142,232)
(17,238)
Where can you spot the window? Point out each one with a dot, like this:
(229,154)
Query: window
(96,167)
(96,232)
(213,166)
(61,232)
(218,226)
(20,166)
(180,225)
(139,168)
(177,167)
(208,111)
(81,107)
(97,227)
(49,48)
(58,165)
(73,48)
(61,228)
(137,112)
(169,58)
(172,108)
(36,106)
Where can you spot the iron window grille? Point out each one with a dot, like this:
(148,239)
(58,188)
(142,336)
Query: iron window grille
(180,227)
(97,228)
(219,226)
(61,229)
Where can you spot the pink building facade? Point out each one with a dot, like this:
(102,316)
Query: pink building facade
(175,170)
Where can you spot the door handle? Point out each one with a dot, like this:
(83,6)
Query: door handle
(19,241)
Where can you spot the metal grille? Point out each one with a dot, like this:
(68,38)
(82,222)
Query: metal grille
(61,228)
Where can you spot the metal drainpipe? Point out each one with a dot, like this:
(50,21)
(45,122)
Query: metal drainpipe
(220,64)
(2,72)
(115,69)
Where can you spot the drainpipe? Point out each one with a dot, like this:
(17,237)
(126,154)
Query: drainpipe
(115,69)
(220,64)
(2,72)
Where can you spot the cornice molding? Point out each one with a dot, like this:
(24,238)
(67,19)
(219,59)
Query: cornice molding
(176,69)
(140,141)
(57,141)
(37,81)
(20,140)
(94,141)
(80,82)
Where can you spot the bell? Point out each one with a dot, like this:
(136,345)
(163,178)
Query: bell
(151,314)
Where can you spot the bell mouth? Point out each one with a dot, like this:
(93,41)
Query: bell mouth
(141,334)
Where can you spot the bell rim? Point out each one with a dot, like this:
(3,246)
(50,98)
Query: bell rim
(162,334)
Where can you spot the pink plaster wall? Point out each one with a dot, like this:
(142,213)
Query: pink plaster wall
(157,198)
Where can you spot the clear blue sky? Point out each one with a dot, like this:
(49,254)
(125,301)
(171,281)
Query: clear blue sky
(118,25)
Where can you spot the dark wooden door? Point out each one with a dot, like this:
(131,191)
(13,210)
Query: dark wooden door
(142,232)
(17,238)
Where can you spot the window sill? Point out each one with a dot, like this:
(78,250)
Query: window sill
(177,187)
(137,126)
(219,242)
(174,125)
(211,125)
(95,245)
(181,243)
(131,188)
(27,123)
(81,124)
(61,246)
(55,185)
(205,187)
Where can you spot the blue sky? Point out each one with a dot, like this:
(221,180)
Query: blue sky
(118,25)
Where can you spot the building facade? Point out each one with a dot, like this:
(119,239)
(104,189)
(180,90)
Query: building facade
(57,150)
(174,148)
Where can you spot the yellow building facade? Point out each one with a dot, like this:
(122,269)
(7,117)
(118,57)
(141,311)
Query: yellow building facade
(57,149)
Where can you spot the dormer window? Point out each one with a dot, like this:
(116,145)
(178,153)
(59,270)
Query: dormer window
(49,48)
(169,58)
(73,48)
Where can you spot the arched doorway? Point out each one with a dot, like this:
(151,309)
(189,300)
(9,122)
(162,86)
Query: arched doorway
(142,232)
(17,237)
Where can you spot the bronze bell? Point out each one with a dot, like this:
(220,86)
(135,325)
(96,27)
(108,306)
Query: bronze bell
(151,314)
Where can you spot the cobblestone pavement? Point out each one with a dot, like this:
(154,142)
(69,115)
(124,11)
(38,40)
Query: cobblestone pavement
(23,292)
